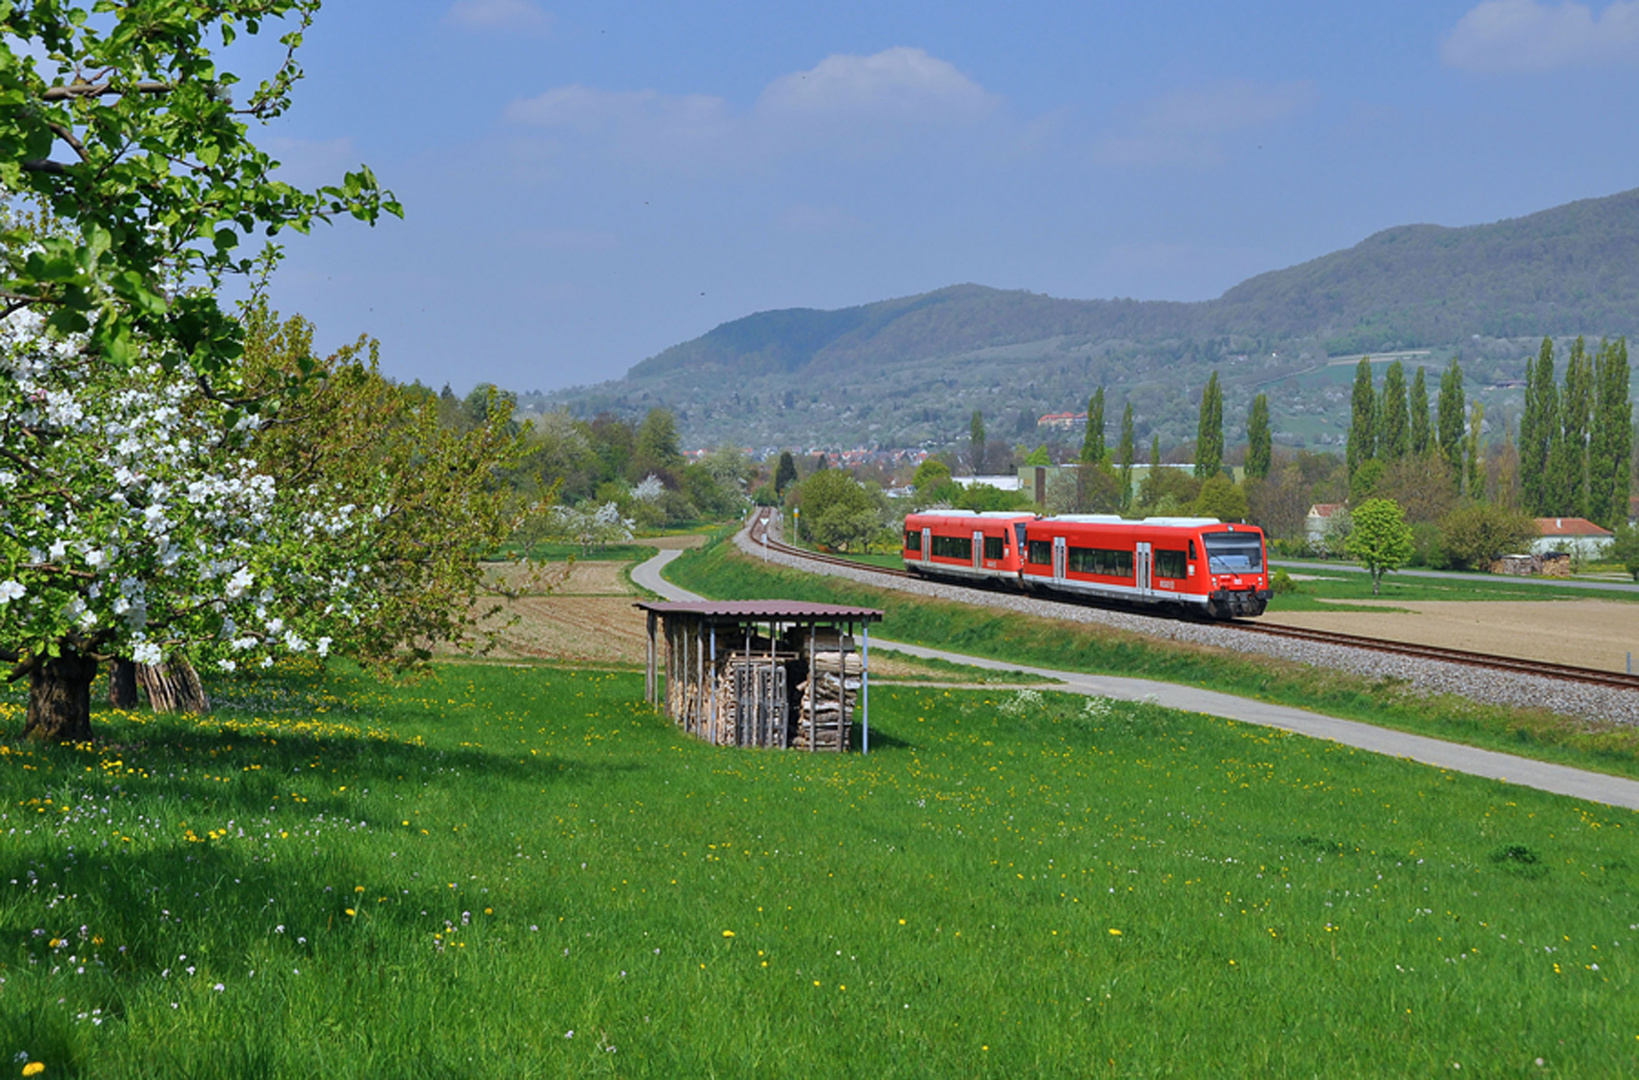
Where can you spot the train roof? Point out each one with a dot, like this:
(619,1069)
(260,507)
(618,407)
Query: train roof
(992,514)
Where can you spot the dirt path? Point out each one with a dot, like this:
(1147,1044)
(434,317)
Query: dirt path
(1587,633)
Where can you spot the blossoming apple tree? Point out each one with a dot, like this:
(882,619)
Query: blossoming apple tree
(132,519)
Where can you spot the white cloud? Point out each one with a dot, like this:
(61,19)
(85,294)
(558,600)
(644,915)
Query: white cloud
(1528,36)
(857,104)
(512,15)
(1186,127)
(899,83)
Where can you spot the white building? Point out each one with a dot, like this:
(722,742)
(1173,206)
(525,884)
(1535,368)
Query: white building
(1572,535)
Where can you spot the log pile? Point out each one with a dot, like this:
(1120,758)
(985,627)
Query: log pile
(825,717)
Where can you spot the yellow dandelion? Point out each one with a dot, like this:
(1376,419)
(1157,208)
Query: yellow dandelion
(34,1068)
(728,933)
(1114,932)
(349,911)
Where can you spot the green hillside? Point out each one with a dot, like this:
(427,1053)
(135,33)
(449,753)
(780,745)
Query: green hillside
(910,371)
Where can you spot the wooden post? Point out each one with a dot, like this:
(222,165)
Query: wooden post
(813,663)
(648,670)
(865,687)
(714,724)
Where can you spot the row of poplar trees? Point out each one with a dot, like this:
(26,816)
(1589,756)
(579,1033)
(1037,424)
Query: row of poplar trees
(1394,423)
(1209,437)
(1576,439)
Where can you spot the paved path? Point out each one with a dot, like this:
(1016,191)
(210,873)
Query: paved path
(1308,566)
(1559,779)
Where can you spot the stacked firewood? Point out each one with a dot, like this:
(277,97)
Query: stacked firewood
(825,720)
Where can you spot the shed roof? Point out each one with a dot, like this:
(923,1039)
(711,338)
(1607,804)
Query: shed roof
(782,610)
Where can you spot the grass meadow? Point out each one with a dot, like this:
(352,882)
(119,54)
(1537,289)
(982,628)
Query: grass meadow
(526,872)
(719,571)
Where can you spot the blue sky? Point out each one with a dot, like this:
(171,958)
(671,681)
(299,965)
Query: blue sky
(585,184)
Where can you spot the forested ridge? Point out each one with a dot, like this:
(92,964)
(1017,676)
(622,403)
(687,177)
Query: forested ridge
(1488,291)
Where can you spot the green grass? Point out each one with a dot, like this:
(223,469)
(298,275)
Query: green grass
(451,878)
(989,632)
(934,669)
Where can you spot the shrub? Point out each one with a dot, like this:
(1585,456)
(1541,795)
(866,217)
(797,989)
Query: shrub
(1475,534)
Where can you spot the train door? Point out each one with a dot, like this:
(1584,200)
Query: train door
(1143,561)
(1060,554)
(978,551)
(927,543)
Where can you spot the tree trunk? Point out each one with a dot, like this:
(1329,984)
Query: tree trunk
(122,684)
(59,700)
(173,687)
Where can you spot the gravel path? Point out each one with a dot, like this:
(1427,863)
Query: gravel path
(1605,704)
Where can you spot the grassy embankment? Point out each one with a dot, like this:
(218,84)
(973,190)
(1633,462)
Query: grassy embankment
(526,873)
(718,570)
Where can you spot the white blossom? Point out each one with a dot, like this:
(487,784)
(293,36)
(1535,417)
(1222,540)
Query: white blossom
(11,590)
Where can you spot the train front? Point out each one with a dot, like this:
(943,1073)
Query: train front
(1238,577)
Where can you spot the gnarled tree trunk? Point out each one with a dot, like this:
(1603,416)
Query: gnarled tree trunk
(173,687)
(59,699)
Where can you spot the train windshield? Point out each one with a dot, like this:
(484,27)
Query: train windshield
(1234,553)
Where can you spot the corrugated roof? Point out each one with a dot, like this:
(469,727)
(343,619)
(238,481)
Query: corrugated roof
(780,610)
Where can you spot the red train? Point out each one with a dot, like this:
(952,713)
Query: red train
(1190,564)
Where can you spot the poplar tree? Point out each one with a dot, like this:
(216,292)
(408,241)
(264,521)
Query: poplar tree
(1393,438)
(1126,450)
(1476,464)
(1259,451)
(976,434)
(1092,444)
(1537,427)
(1209,433)
(1419,414)
(1362,419)
(1611,441)
(1568,456)
(1449,423)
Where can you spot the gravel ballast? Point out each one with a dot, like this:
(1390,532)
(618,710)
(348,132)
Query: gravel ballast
(1582,700)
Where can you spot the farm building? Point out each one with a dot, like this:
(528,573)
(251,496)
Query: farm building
(1572,535)
(1318,524)
(780,674)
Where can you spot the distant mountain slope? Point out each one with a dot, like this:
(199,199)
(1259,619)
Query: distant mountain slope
(1571,269)
(910,370)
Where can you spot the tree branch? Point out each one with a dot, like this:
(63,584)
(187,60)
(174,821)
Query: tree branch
(84,90)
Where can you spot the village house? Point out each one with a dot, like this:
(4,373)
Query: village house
(1572,535)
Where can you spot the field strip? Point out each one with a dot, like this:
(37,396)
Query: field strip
(1558,779)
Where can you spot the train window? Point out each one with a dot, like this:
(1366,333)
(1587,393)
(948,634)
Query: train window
(953,547)
(1234,553)
(1170,564)
(995,547)
(1192,555)
(1039,552)
(1103,561)
(913,540)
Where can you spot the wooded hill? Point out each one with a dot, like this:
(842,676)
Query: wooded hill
(904,371)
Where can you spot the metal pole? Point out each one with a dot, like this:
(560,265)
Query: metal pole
(865,686)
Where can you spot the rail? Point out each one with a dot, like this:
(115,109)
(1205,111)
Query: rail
(1516,665)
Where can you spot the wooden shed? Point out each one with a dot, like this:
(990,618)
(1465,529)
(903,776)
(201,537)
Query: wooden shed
(770,673)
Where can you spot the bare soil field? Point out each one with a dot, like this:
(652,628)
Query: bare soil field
(1588,633)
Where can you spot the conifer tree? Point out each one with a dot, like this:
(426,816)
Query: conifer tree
(1362,419)
(1393,437)
(1449,423)
(1259,451)
(1209,433)
(1126,450)
(1092,444)
(1418,407)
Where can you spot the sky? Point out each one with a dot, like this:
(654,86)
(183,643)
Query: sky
(586,184)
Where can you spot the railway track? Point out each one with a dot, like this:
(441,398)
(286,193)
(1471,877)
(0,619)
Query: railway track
(1541,669)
